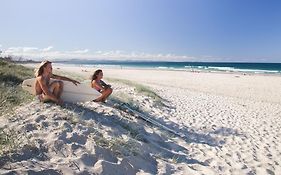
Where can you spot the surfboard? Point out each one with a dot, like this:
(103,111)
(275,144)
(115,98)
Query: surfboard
(71,92)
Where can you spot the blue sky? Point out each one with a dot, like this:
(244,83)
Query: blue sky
(183,30)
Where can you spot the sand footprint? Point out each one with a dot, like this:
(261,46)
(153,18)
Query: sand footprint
(40,118)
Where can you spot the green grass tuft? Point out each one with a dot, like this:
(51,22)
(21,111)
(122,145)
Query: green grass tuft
(11,93)
(9,141)
(158,100)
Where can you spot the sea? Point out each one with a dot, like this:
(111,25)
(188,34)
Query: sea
(256,68)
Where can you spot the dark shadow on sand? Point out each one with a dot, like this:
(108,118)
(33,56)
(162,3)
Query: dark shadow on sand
(23,154)
(160,145)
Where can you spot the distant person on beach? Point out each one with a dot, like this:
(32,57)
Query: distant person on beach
(46,90)
(101,86)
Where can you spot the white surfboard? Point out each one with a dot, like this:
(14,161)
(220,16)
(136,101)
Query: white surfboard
(71,92)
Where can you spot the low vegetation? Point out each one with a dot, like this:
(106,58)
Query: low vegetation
(140,89)
(10,140)
(11,93)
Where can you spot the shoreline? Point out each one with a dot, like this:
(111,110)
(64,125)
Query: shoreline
(195,70)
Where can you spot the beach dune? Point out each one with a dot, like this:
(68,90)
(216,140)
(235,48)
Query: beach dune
(229,123)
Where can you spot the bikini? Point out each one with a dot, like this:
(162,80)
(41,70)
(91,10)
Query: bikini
(98,89)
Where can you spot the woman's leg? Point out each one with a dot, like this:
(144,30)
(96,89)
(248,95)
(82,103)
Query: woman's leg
(104,95)
(56,88)
(108,91)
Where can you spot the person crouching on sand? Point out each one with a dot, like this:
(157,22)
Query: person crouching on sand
(46,90)
(101,86)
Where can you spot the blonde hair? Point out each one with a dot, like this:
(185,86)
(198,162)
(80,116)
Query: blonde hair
(40,69)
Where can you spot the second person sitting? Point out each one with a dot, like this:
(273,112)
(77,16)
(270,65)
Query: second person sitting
(101,86)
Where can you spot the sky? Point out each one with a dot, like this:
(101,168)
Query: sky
(162,30)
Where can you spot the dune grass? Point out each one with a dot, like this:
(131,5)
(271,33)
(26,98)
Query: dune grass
(9,141)
(121,98)
(11,93)
(139,88)
(158,100)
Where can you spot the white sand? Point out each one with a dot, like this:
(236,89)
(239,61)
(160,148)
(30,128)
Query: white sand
(230,124)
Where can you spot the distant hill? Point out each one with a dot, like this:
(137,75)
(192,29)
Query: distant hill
(17,59)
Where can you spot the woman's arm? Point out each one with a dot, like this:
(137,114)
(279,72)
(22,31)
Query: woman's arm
(104,84)
(64,78)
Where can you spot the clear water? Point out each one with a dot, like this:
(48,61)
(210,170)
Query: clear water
(265,68)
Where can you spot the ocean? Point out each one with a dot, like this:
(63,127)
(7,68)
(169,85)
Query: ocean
(258,68)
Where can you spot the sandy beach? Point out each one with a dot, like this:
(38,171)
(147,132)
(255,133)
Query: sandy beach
(227,123)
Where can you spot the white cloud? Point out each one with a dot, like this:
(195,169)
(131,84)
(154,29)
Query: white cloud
(51,54)
(30,49)
(80,51)
(0,45)
(98,52)
(16,50)
(47,49)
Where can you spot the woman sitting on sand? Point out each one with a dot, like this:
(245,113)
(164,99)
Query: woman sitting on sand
(44,88)
(101,86)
